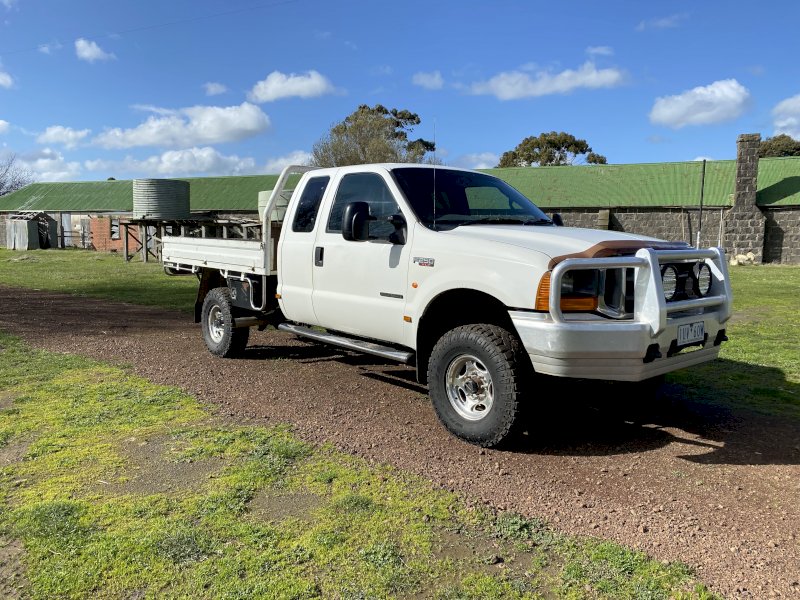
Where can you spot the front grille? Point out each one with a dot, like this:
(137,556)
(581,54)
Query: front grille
(617,298)
(618,289)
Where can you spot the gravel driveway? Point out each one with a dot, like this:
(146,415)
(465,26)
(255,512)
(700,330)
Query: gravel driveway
(716,489)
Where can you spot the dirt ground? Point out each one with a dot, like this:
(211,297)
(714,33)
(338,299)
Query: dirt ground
(717,489)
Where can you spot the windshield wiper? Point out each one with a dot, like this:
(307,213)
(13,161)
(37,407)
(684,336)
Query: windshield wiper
(500,220)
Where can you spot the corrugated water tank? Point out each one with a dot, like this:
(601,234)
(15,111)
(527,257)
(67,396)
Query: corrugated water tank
(160,199)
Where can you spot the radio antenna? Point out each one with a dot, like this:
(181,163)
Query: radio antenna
(434,174)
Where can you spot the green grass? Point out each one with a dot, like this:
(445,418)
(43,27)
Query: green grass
(370,532)
(759,368)
(97,275)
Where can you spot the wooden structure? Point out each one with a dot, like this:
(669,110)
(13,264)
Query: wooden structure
(147,234)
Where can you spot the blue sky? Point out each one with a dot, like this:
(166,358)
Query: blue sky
(176,88)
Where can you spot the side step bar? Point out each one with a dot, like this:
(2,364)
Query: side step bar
(402,356)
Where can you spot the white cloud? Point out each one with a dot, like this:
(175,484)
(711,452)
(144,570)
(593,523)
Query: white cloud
(4,126)
(600,51)
(8,3)
(662,22)
(429,81)
(205,161)
(512,85)
(49,48)
(276,165)
(478,160)
(700,158)
(213,88)
(278,85)
(188,127)
(720,101)
(787,117)
(58,134)
(90,51)
(49,165)
(6,81)
(155,109)
(178,163)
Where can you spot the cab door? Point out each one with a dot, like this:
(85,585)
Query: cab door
(296,252)
(360,286)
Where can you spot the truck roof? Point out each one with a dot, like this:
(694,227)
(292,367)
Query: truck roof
(389,167)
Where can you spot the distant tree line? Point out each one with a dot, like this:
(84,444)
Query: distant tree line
(373,134)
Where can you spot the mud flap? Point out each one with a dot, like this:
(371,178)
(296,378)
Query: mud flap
(209,280)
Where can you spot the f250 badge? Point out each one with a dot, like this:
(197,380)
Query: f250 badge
(424,262)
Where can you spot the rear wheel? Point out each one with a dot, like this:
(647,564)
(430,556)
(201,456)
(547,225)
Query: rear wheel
(219,334)
(475,377)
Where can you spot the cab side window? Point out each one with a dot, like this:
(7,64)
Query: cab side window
(369,188)
(308,206)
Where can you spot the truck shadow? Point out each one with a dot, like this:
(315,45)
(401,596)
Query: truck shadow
(707,414)
(714,425)
(371,367)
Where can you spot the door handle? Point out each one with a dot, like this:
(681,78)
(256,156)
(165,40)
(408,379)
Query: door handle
(319,256)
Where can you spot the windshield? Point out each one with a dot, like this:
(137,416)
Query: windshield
(465,198)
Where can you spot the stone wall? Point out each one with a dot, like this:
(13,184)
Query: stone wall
(778,228)
(782,235)
(745,222)
(663,223)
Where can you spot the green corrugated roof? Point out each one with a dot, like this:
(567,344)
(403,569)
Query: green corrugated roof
(655,184)
(607,186)
(206,193)
(779,182)
(231,193)
(81,196)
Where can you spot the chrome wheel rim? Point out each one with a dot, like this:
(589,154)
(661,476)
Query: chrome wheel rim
(216,324)
(469,387)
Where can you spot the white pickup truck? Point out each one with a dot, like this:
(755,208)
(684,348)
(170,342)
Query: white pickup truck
(458,274)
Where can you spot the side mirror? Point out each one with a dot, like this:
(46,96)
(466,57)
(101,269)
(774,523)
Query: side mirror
(557,220)
(398,236)
(355,222)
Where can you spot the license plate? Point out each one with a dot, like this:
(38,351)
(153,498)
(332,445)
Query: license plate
(691,333)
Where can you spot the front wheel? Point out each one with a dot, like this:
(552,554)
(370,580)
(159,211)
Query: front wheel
(475,377)
(219,334)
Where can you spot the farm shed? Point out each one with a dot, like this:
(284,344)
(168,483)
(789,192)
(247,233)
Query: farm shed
(88,213)
(747,204)
(30,231)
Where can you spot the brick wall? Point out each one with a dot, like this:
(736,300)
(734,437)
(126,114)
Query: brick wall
(101,235)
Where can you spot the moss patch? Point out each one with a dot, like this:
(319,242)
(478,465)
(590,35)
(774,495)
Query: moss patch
(120,488)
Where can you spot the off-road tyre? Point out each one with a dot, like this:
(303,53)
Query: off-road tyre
(221,337)
(500,359)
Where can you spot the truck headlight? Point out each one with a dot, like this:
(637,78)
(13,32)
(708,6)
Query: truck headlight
(702,279)
(579,291)
(669,282)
